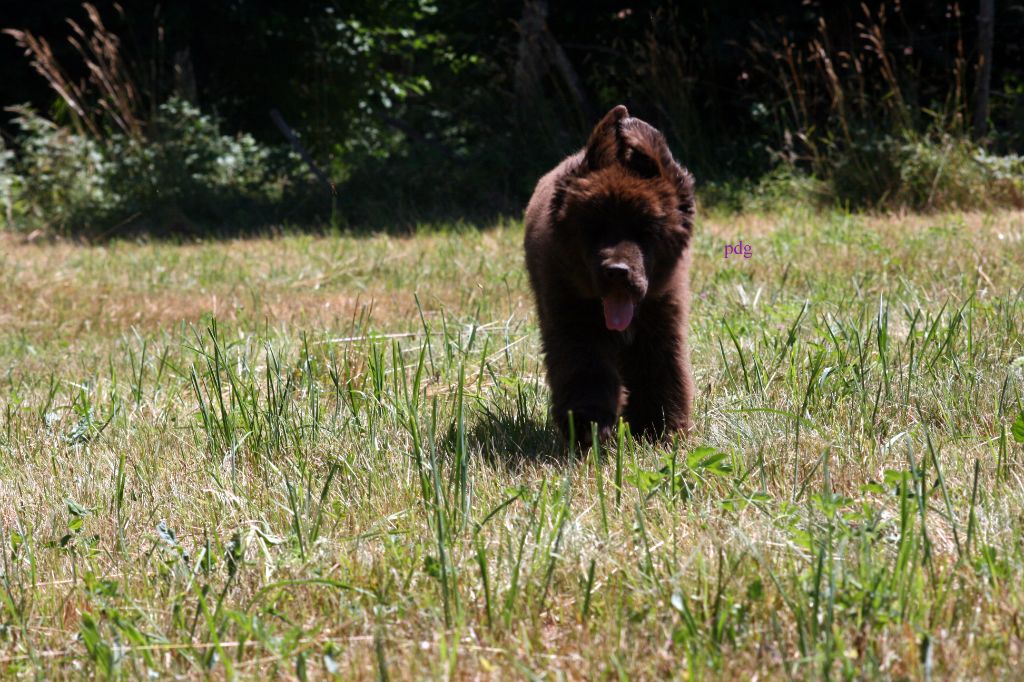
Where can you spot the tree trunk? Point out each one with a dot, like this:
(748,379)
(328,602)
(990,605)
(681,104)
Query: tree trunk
(986,22)
(300,149)
(541,56)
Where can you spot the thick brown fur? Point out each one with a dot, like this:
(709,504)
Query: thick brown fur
(613,222)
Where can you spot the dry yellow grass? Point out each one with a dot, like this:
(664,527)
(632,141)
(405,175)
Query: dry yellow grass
(339,515)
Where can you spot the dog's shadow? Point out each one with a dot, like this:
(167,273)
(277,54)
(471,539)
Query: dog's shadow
(511,441)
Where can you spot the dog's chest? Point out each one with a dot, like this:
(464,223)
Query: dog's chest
(626,337)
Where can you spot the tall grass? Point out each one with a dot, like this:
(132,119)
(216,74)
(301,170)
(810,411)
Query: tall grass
(109,98)
(378,491)
(855,116)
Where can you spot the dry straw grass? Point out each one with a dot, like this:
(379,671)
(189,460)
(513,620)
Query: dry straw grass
(349,471)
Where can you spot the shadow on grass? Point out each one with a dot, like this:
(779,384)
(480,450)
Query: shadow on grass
(311,211)
(511,442)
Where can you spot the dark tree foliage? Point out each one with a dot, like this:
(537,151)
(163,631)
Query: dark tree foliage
(421,105)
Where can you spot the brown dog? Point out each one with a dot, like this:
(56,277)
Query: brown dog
(607,248)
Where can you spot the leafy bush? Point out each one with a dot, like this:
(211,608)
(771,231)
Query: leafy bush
(10,184)
(58,176)
(923,173)
(184,174)
(883,172)
(857,115)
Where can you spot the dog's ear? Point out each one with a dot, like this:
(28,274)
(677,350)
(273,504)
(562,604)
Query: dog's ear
(602,150)
(603,145)
(643,150)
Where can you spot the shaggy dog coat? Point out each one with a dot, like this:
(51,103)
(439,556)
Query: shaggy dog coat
(607,249)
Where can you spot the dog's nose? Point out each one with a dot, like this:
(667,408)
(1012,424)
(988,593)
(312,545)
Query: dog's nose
(615,271)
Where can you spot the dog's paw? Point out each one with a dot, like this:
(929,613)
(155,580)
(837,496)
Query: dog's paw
(583,422)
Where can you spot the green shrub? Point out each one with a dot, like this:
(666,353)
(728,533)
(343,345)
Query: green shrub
(855,116)
(10,186)
(887,172)
(184,176)
(919,172)
(777,191)
(59,176)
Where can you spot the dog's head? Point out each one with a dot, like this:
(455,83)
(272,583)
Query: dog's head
(626,211)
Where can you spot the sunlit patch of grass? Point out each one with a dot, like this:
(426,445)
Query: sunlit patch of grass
(313,456)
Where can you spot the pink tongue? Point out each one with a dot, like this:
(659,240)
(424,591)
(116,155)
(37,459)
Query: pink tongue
(618,313)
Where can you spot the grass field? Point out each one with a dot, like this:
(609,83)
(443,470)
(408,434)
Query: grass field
(304,456)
